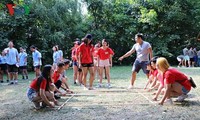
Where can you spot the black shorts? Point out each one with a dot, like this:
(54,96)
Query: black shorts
(37,67)
(58,84)
(3,67)
(12,68)
(192,59)
(87,65)
(22,67)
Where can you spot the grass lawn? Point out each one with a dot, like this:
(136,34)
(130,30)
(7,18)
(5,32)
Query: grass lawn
(116,103)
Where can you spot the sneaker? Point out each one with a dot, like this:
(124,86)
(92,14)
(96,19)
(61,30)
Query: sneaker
(181,98)
(27,77)
(16,82)
(37,105)
(99,85)
(108,85)
(168,102)
(57,97)
(43,105)
(130,87)
(91,88)
(11,83)
(74,82)
(1,81)
(23,78)
(7,81)
(85,88)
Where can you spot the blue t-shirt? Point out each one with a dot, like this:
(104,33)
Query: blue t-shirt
(37,58)
(22,59)
(12,55)
(60,54)
(55,57)
(3,60)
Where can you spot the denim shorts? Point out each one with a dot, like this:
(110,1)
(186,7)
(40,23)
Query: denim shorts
(185,91)
(140,65)
(31,94)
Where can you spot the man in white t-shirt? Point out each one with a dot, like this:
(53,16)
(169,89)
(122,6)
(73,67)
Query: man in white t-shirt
(12,62)
(144,51)
(37,62)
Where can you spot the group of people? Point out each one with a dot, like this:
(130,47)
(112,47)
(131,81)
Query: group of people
(165,80)
(44,90)
(190,57)
(10,61)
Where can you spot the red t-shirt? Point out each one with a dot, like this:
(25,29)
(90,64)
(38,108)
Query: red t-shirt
(86,53)
(34,85)
(172,75)
(56,76)
(95,53)
(74,53)
(160,78)
(105,54)
(155,72)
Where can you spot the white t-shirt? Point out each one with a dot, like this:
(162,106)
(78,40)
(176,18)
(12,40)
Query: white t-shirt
(11,56)
(142,51)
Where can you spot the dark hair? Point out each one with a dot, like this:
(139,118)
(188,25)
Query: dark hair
(46,74)
(32,46)
(140,35)
(66,61)
(60,64)
(154,59)
(86,38)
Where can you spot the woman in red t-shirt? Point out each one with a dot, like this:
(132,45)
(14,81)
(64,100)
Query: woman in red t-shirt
(176,83)
(104,60)
(41,88)
(86,60)
(75,61)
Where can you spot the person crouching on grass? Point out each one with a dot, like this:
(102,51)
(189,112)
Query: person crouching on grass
(104,60)
(41,89)
(59,80)
(176,83)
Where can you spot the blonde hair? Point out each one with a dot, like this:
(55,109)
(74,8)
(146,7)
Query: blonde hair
(162,63)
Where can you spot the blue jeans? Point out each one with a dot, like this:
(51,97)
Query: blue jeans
(31,94)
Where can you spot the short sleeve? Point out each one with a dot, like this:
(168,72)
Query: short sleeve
(148,45)
(43,84)
(39,55)
(169,78)
(133,48)
(111,51)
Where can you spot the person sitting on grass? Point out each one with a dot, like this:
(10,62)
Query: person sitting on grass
(176,82)
(40,90)
(59,80)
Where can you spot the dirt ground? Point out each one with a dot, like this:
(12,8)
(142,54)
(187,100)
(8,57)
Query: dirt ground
(116,103)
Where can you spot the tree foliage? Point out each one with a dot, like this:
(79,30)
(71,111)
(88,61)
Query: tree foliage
(169,25)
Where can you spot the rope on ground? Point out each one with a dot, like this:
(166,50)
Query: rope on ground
(145,97)
(66,102)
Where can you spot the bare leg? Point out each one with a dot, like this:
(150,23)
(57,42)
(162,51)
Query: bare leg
(108,73)
(75,71)
(133,77)
(91,70)
(85,71)
(101,74)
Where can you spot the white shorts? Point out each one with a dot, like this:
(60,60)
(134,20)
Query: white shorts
(104,63)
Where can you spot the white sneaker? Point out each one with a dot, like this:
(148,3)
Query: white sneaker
(181,98)
(99,85)
(16,82)
(168,102)
(108,85)
(130,87)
